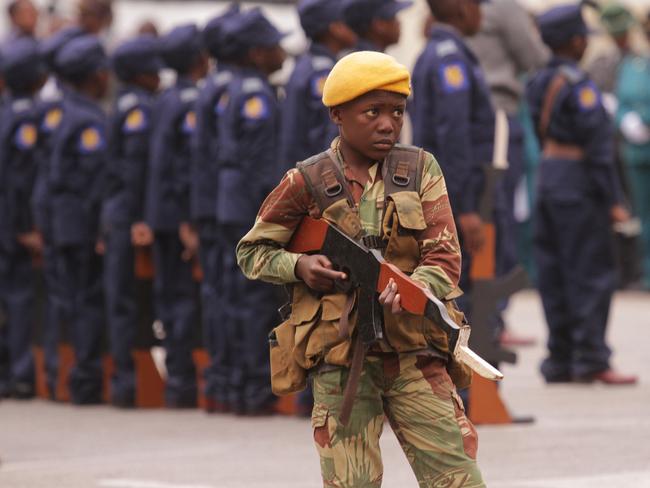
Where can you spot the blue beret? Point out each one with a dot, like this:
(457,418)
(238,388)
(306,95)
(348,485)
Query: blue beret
(51,46)
(249,29)
(138,55)
(359,14)
(213,36)
(80,57)
(181,46)
(317,15)
(558,25)
(22,63)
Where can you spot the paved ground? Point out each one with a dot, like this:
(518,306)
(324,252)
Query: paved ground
(584,437)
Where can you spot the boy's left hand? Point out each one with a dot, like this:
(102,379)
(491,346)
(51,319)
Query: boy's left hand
(391,299)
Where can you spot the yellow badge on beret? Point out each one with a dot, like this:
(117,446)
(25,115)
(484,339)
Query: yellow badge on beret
(91,140)
(135,121)
(587,98)
(454,77)
(26,136)
(255,108)
(52,119)
(189,122)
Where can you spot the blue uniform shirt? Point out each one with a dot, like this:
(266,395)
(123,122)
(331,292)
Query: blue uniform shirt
(306,125)
(452,115)
(168,185)
(77,173)
(128,157)
(205,144)
(49,116)
(578,118)
(18,137)
(248,143)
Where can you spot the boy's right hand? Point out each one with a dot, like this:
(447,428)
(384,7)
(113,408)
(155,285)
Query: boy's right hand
(317,273)
(471,226)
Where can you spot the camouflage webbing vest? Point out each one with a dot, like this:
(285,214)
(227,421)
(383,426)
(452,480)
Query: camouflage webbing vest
(295,345)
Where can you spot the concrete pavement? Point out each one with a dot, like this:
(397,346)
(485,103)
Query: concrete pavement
(585,436)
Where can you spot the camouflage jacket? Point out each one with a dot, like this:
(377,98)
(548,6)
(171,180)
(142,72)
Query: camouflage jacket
(261,254)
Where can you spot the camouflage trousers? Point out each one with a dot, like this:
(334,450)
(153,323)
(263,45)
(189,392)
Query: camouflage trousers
(420,401)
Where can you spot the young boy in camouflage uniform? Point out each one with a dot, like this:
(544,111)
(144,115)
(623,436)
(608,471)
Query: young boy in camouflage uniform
(404,376)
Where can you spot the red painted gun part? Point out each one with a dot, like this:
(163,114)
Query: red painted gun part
(309,236)
(413,297)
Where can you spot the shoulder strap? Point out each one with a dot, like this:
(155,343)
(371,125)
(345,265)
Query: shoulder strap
(402,170)
(325,180)
(558,82)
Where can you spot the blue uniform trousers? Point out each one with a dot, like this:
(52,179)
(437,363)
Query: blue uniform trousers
(121,310)
(250,313)
(576,278)
(176,292)
(81,277)
(215,335)
(55,314)
(17,287)
(506,225)
(640,183)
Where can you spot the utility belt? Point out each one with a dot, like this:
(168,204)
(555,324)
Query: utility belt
(556,150)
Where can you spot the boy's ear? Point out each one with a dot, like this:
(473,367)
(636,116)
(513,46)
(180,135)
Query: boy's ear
(335,115)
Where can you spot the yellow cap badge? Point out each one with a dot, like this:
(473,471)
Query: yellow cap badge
(588,98)
(26,136)
(135,121)
(91,140)
(454,77)
(255,108)
(52,119)
(189,123)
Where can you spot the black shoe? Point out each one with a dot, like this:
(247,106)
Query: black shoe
(23,391)
(123,401)
(181,403)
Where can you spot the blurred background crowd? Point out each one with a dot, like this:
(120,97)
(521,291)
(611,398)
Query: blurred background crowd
(138,139)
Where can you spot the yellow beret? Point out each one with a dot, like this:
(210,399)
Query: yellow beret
(359,73)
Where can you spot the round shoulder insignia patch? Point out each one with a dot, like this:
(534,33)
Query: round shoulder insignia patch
(454,77)
(52,119)
(255,108)
(318,85)
(26,136)
(135,121)
(222,104)
(91,140)
(588,98)
(189,122)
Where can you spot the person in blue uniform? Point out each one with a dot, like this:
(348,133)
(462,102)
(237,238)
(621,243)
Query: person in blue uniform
(633,121)
(205,155)
(24,73)
(248,169)
(77,178)
(375,21)
(306,126)
(453,118)
(167,210)
(136,64)
(578,197)
(49,110)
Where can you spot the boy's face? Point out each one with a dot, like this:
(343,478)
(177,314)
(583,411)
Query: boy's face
(372,123)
